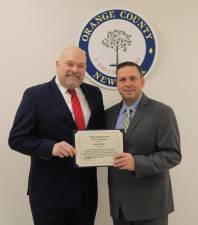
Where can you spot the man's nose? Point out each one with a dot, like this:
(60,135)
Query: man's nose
(74,68)
(128,82)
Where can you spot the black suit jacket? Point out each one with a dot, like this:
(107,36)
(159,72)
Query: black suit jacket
(153,139)
(43,119)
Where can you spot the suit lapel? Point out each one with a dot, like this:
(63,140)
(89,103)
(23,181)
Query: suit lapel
(114,115)
(60,102)
(140,111)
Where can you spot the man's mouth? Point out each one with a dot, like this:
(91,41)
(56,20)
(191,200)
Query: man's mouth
(128,91)
(72,75)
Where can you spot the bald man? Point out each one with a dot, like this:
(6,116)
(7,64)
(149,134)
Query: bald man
(60,193)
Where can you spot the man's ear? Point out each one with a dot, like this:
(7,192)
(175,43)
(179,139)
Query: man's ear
(57,66)
(143,81)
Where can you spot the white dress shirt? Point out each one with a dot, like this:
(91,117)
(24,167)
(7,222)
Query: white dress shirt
(83,102)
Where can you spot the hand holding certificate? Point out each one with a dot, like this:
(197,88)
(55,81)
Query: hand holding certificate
(97,147)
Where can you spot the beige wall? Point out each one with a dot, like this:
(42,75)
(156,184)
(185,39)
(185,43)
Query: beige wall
(32,34)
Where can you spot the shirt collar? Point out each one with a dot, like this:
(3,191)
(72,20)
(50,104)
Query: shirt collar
(63,89)
(133,106)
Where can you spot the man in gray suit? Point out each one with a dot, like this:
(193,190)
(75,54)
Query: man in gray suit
(139,182)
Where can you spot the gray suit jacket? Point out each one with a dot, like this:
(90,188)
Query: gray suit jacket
(153,139)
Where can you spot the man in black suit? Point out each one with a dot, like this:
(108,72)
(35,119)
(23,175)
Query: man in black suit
(139,183)
(60,193)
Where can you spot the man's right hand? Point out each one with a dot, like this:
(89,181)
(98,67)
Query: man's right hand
(63,149)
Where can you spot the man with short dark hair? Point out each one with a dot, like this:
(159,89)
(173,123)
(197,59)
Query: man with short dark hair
(139,182)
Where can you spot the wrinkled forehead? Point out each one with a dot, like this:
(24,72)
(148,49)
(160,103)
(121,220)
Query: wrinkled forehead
(73,54)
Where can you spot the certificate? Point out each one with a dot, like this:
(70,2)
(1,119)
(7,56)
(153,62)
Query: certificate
(97,147)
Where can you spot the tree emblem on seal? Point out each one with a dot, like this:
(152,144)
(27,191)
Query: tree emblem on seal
(117,39)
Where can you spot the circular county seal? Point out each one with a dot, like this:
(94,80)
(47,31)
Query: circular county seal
(115,36)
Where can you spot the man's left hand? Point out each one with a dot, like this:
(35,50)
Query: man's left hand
(124,161)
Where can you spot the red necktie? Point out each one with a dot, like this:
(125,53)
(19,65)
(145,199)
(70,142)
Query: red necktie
(77,110)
